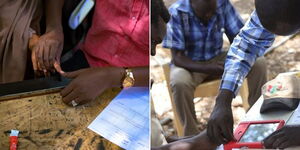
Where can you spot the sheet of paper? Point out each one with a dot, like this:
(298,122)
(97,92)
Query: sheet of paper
(125,121)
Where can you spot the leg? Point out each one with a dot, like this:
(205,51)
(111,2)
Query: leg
(183,87)
(257,77)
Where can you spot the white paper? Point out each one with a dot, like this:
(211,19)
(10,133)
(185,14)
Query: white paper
(295,118)
(125,121)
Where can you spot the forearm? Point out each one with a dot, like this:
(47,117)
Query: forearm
(225,97)
(183,61)
(188,64)
(53,14)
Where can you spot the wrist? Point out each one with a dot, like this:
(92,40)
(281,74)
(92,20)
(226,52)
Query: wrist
(224,98)
(54,28)
(118,75)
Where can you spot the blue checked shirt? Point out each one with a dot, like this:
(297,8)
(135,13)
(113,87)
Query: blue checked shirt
(185,31)
(250,43)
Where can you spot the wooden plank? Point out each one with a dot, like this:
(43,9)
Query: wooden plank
(45,122)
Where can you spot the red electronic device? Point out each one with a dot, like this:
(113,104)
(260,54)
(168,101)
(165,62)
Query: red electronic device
(250,134)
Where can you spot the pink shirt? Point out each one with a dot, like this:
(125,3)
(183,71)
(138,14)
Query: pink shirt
(119,35)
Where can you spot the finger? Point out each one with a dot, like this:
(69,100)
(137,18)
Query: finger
(34,61)
(47,73)
(217,134)
(73,74)
(64,92)
(227,134)
(38,65)
(285,144)
(210,133)
(279,141)
(40,57)
(274,136)
(58,67)
(36,51)
(46,51)
(83,100)
(52,56)
(70,97)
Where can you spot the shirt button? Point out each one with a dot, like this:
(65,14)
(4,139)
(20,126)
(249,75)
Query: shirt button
(133,18)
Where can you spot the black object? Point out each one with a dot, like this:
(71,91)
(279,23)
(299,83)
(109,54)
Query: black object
(275,104)
(27,88)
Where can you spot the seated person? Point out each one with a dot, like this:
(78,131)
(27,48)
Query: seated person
(19,22)
(159,18)
(115,51)
(271,17)
(195,37)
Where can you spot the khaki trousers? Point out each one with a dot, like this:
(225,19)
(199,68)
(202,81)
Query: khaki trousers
(184,82)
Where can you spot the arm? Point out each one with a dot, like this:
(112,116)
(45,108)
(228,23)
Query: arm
(89,83)
(251,42)
(183,61)
(53,15)
(233,21)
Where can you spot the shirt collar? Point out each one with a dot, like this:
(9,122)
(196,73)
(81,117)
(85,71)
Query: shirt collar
(185,6)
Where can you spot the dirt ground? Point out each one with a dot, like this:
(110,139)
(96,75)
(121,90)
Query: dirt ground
(283,58)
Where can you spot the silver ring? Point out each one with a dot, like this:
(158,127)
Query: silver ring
(74,103)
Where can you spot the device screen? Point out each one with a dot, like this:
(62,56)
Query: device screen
(258,132)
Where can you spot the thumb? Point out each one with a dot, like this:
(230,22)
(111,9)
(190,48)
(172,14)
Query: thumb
(58,67)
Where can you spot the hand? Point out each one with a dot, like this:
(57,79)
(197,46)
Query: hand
(89,83)
(47,51)
(285,137)
(215,69)
(220,124)
(199,142)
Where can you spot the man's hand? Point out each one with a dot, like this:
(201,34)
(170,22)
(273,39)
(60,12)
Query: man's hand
(285,137)
(220,124)
(47,51)
(215,69)
(89,83)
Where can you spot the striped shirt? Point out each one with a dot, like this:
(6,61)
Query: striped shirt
(252,42)
(187,33)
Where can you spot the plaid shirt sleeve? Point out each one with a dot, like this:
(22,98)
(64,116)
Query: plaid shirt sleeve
(250,43)
(174,38)
(233,21)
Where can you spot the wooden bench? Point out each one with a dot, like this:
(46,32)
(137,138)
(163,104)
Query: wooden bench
(206,89)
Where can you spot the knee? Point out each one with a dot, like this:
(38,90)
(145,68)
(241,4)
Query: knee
(180,84)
